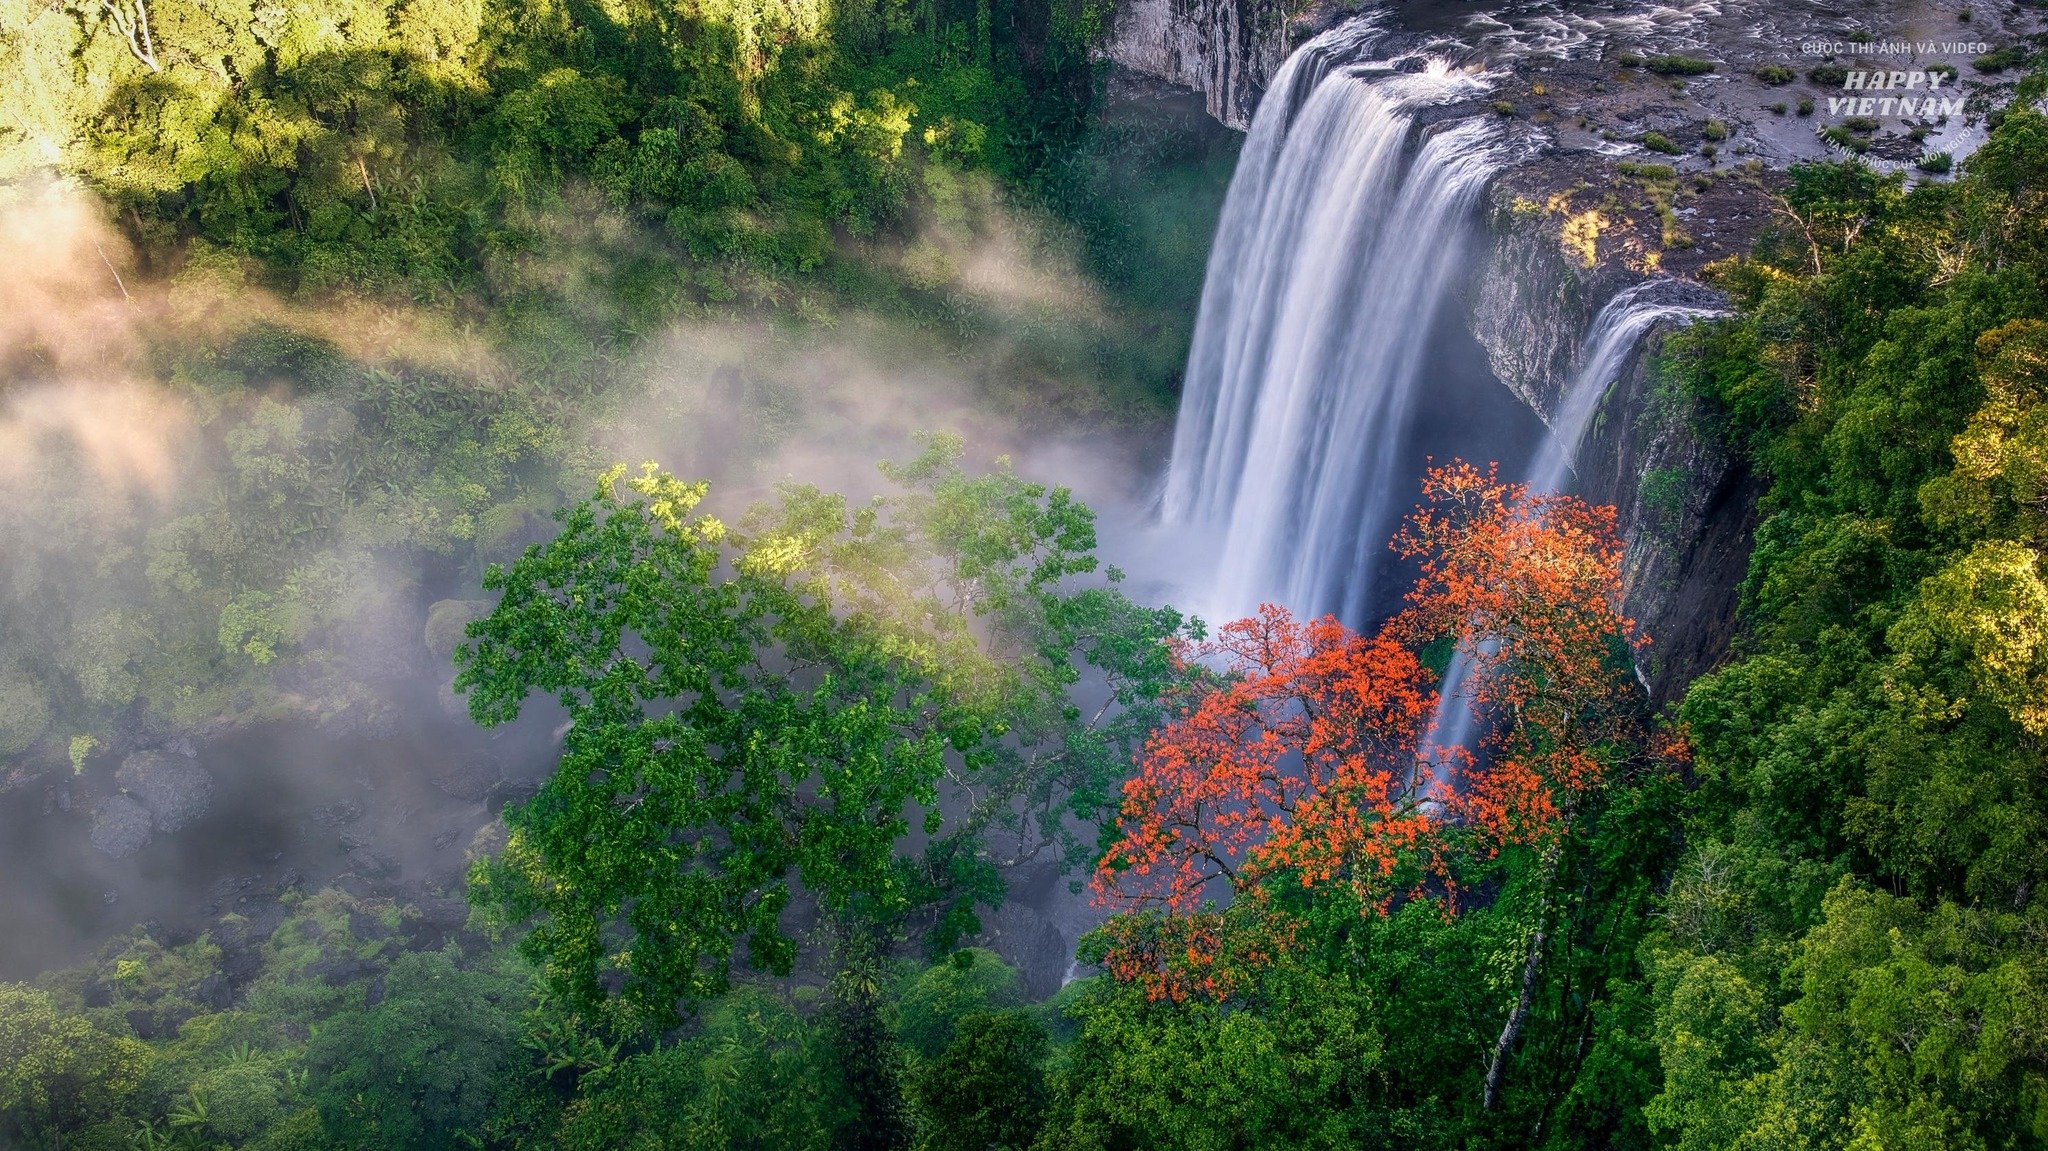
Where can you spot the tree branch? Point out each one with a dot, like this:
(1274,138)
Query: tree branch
(132,21)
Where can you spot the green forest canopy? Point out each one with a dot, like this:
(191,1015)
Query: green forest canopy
(396,145)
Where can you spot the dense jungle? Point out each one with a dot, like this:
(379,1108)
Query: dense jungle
(761,574)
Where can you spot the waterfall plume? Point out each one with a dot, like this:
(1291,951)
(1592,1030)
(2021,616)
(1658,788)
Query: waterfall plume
(1609,345)
(1340,238)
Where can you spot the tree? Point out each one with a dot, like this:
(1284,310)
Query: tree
(131,19)
(1297,810)
(699,776)
(1528,585)
(57,1071)
(1306,757)
(1849,955)
(986,1090)
(424,1068)
(756,1076)
(1304,760)
(753,710)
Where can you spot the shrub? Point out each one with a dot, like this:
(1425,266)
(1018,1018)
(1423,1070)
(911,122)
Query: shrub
(1664,492)
(1827,75)
(1806,105)
(1659,142)
(2010,56)
(24,712)
(1841,137)
(1776,74)
(1936,163)
(1715,130)
(1679,65)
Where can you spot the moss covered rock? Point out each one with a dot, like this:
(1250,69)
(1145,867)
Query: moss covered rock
(24,711)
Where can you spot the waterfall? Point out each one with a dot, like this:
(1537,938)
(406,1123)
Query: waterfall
(1341,233)
(1608,347)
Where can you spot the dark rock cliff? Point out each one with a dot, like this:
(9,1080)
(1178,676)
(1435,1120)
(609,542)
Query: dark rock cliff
(1225,49)
(1686,507)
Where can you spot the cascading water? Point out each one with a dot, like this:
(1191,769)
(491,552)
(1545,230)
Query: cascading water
(1609,345)
(1341,235)
(1340,238)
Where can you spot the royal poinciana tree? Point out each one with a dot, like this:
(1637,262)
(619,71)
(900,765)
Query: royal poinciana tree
(1300,771)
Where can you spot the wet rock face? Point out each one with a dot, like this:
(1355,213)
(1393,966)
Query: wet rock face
(1686,507)
(470,780)
(1038,926)
(1225,49)
(173,788)
(1532,305)
(160,793)
(120,827)
(446,620)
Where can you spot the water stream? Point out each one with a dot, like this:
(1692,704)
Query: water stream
(1342,236)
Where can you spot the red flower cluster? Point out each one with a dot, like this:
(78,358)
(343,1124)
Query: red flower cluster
(1304,759)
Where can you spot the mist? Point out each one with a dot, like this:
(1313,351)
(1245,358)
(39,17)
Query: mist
(204,580)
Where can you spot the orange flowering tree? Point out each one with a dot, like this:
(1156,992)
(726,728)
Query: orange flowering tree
(1303,758)
(1306,757)
(1304,765)
(1527,585)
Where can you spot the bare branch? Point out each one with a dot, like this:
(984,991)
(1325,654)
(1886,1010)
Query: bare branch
(131,19)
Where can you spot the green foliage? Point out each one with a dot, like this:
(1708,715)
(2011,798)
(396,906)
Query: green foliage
(368,142)
(755,1076)
(1659,142)
(1370,1031)
(688,822)
(58,1071)
(1678,65)
(24,711)
(931,1004)
(1844,137)
(699,781)
(2009,56)
(1663,491)
(1162,1075)
(987,1088)
(422,1068)
(1863,865)
(261,559)
(1775,74)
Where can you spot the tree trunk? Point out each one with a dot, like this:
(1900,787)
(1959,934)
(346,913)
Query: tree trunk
(1532,964)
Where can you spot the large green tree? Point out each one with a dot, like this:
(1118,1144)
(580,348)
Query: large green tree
(779,707)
